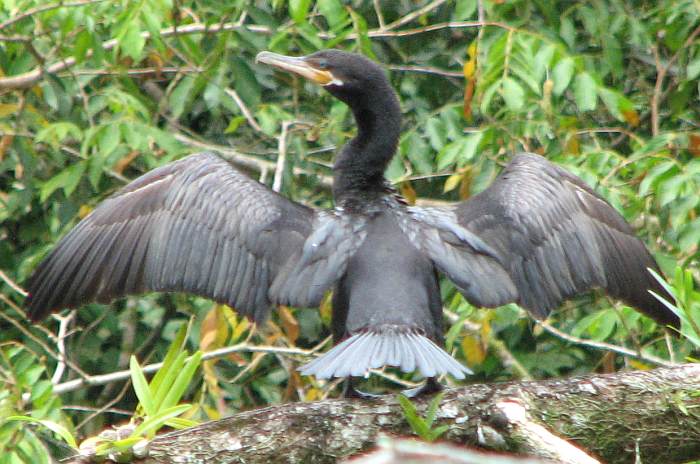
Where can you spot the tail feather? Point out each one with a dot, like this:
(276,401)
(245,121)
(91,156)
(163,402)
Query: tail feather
(372,349)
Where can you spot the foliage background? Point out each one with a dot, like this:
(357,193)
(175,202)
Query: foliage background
(607,88)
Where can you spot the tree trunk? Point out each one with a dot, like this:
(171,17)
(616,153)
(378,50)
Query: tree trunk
(615,417)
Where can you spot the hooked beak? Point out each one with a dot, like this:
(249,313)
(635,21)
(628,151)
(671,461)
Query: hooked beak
(297,65)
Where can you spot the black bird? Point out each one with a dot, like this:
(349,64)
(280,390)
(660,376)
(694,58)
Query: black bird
(537,236)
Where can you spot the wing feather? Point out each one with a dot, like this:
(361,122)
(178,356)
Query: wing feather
(196,225)
(556,238)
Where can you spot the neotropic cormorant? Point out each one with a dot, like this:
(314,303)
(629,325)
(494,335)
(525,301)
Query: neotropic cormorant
(537,236)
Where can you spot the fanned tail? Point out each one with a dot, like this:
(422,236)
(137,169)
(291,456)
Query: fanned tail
(400,347)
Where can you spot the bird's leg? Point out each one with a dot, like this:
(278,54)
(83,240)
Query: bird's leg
(430,387)
(349,391)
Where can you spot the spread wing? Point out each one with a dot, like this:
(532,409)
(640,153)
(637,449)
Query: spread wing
(199,226)
(556,238)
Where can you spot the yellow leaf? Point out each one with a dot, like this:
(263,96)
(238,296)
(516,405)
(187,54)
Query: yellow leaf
(452,182)
(407,192)
(631,116)
(485,330)
(313,394)
(289,324)
(7,109)
(469,68)
(471,50)
(84,211)
(238,325)
(639,365)
(572,145)
(473,350)
(326,308)
(207,332)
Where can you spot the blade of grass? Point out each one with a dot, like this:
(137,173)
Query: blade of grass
(182,381)
(57,428)
(143,393)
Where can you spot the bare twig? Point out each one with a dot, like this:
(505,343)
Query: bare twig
(29,78)
(13,285)
(426,69)
(61,345)
(43,8)
(104,379)
(248,161)
(380,15)
(244,109)
(606,346)
(414,14)
(137,71)
(281,156)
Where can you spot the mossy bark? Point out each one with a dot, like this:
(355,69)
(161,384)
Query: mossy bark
(613,417)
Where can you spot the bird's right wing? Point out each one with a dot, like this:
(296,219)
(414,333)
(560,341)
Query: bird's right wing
(199,226)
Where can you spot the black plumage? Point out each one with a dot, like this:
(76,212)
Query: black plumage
(537,236)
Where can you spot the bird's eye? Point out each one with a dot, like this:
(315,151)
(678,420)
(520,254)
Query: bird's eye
(322,64)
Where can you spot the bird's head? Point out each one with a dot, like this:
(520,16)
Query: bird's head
(349,77)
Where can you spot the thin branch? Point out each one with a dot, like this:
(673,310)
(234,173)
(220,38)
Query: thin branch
(27,333)
(281,156)
(29,78)
(426,69)
(43,8)
(380,15)
(136,71)
(414,14)
(434,27)
(14,286)
(606,346)
(104,379)
(61,345)
(248,161)
(244,109)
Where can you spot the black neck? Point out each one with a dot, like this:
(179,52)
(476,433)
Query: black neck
(360,165)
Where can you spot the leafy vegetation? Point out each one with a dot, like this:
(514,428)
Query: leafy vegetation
(95,93)
(423,426)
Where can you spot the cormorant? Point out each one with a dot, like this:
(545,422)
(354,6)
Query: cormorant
(537,236)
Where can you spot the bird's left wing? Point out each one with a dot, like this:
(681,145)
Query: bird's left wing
(199,226)
(556,238)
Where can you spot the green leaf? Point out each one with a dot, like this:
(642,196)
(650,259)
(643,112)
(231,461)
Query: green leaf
(132,42)
(693,68)
(464,9)
(334,12)
(561,75)
(513,94)
(298,9)
(143,393)
(585,92)
(109,139)
(161,388)
(174,350)
(416,422)
(182,381)
(83,42)
(68,180)
(55,427)
(542,60)
(432,408)
(156,421)
(181,95)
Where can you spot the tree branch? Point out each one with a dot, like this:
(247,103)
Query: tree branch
(650,415)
